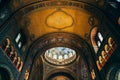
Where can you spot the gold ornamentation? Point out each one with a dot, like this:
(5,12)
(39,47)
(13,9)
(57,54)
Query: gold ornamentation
(59,20)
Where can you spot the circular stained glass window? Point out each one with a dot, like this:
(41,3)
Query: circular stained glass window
(60,55)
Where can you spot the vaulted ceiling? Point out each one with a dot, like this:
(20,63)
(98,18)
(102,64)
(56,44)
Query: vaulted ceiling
(39,18)
(54,23)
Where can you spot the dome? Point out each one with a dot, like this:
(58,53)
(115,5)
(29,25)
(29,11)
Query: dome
(60,55)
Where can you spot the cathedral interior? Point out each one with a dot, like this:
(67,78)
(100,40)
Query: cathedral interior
(59,39)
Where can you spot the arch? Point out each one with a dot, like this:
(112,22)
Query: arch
(18,62)
(15,57)
(98,65)
(113,73)
(9,50)
(5,73)
(51,40)
(104,55)
(20,66)
(6,44)
(93,37)
(107,49)
(110,41)
(101,60)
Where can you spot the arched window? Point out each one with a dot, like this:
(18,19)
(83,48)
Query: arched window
(100,36)
(96,39)
(20,39)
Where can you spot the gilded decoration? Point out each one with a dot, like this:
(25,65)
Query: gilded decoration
(59,19)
